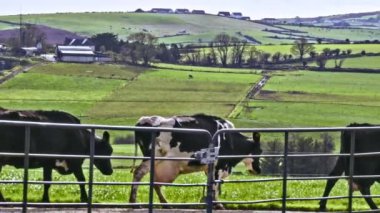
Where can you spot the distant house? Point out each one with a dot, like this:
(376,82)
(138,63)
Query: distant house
(81,54)
(139,11)
(245,18)
(182,11)
(270,21)
(224,13)
(79,42)
(161,10)
(237,15)
(198,12)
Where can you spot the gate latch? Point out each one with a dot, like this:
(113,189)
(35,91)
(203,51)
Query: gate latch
(207,155)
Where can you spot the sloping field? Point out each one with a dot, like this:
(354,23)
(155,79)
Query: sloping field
(305,98)
(113,94)
(369,62)
(171,28)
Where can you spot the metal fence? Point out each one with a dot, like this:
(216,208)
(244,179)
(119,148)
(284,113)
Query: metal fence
(213,141)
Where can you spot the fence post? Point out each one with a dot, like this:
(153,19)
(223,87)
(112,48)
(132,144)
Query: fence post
(285,172)
(210,180)
(91,171)
(26,169)
(152,159)
(351,169)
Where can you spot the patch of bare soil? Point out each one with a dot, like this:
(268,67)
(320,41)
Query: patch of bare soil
(53,35)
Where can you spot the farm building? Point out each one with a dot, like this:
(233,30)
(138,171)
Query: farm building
(161,10)
(81,54)
(237,15)
(198,12)
(182,11)
(245,18)
(224,13)
(79,42)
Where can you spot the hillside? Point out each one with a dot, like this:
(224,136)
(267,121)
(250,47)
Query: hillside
(369,20)
(170,28)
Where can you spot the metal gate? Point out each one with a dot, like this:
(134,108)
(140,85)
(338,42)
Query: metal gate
(209,203)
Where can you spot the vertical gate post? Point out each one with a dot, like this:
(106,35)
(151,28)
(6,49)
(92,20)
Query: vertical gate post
(151,182)
(210,180)
(91,171)
(285,172)
(26,169)
(351,170)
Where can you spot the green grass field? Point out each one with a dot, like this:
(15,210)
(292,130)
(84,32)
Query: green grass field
(179,28)
(307,98)
(119,95)
(369,62)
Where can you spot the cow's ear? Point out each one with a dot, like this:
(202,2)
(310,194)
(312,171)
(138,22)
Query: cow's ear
(106,136)
(256,137)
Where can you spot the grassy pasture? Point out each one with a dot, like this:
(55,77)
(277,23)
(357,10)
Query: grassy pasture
(71,87)
(356,48)
(165,26)
(342,34)
(231,191)
(307,98)
(180,28)
(169,92)
(369,62)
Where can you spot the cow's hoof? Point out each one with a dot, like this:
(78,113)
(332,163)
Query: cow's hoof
(322,209)
(219,206)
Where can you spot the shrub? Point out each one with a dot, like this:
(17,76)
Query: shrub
(300,165)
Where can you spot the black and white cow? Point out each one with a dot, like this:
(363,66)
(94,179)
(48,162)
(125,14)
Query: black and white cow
(170,144)
(365,141)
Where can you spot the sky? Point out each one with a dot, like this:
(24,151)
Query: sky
(256,9)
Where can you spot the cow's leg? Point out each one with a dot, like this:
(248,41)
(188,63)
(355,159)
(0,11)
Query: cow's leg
(367,191)
(138,174)
(165,172)
(337,171)
(161,197)
(47,177)
(78,172)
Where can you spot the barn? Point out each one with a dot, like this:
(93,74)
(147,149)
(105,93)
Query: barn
(81,54)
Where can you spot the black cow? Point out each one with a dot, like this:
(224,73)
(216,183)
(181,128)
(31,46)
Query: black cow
(365,141)
(51,141)
(170,144)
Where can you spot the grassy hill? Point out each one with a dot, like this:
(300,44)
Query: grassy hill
(179,28)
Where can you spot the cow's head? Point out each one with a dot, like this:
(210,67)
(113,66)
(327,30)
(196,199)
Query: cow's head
(103,147)
(253,164)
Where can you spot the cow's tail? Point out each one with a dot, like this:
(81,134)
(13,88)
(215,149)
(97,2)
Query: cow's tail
(134,159)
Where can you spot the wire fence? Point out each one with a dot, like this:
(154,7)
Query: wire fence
(209,202)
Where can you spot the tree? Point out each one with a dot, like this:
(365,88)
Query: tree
(145,46)
(222,42)
(321,61)
(253,57)
(238,48)
(175,53)
(106,42)
(301,47)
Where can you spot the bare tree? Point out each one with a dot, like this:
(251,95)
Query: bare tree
(238,48)
(301,47)
(222,42)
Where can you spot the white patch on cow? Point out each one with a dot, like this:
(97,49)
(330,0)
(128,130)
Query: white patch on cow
(156,121)
(185,119)
(229,125)
(63,164)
